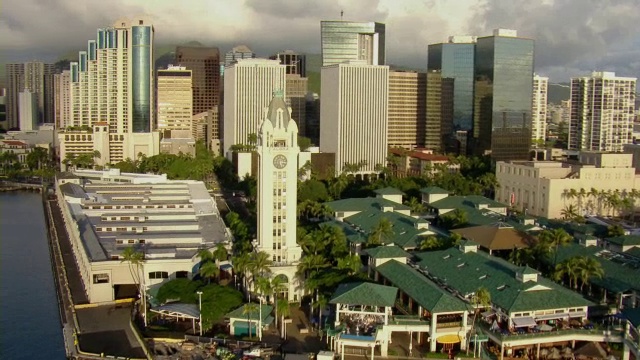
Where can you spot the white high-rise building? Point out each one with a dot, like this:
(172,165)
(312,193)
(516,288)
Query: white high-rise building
(28,107)
(248,88)
(278,151)
(602,112)
(62,99)
(354,114)
(113,84)
(539,109)
(175,101)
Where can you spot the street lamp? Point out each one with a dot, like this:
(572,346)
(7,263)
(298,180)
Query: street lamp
(200,309)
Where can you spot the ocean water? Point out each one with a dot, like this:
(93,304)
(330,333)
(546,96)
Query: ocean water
(30,325)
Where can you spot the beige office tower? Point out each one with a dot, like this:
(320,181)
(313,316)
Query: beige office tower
(62,99)
(297,99)
(113,87)
(205,127)
(539,110)
(407,109)
(439,111)
(175,102)
(248,88)
(354,114)
(602,112)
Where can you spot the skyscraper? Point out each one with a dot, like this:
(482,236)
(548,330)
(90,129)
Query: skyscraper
(602,112)
(354,107)
(278,150)
(248,87)
(174,99)
(539,109)
(297,99)
(62,99)
(296,63)
(237,53)
(502,95)
(456,60)
(204,63)
(439,112)
(37,78)
(113,86)
(407,109)
(28,108)
(349,40)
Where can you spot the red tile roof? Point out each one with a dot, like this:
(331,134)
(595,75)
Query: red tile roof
(420,155)
(15,142)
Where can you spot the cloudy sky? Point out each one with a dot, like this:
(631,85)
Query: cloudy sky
(573,37)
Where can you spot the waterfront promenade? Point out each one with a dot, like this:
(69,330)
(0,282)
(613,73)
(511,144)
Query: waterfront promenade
(90,331)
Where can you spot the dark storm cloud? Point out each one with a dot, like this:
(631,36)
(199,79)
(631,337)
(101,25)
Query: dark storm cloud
(574,35)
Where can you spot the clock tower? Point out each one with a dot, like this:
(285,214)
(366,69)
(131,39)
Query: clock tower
(277,192)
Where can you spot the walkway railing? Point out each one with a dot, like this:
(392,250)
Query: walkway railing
(606,331)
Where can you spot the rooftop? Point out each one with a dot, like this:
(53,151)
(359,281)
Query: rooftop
(364,293)
(361,204)
(496,236)
(434,190)
(387,252)
(464,273)
(389,191)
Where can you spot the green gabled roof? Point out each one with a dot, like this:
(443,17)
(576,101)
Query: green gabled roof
(634,251)
(617,278)
(254,315)
(405,233)
(352,234)
(463,202)
(625,240)
(388,191)
(526,270)
(466,272)
(420,289)
(362,204)
(364,293)
(465,242)
(434,190)
(385,252)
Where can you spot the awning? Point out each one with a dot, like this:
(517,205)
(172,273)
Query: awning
(448,339)
(524,321)
(178,310)
(553,316)
(576,314)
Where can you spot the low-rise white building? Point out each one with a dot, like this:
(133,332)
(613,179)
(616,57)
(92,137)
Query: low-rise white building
(545,188)
(168,221)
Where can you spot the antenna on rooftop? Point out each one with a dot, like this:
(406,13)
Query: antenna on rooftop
(341,14)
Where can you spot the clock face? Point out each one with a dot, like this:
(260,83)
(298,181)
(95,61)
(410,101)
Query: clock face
(280,161)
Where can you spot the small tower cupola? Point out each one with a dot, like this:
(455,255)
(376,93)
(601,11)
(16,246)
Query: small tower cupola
(525,274)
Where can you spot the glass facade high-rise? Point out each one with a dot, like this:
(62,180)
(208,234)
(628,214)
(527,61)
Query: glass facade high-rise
(349,40)
(456,60)
(503,93)
(142,73)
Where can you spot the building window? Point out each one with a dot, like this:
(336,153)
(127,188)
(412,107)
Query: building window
(158,275)
(101,278)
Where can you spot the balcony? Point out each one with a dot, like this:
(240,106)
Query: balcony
(606,332)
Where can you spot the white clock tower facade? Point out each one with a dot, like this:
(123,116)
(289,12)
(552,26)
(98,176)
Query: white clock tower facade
(277,192)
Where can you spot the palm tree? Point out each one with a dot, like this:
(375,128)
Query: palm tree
(582,194)
(415,204)
(241,267)
(430,242)
(480,300)
(283,307)
(260,262)
(135,260)
(320,305)
(209,270)
(205,255)
(381,232)
(590,268)
(351,263)
(311,264)
(248,309)
(569,212)
(554,239)
(569,268)
(220,253)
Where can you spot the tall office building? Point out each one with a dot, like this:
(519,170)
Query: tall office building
(237,53)
(456,60)
(28,109)
(349,40)
(354,107)
(62,99)
(297,99)
(407,109)
(175,104)
(539,109)
(204,63)
(602,112)
(502,95)
(248,87)
(295,63)
(37,78)
(439,112)
(278,150)
(113,86)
